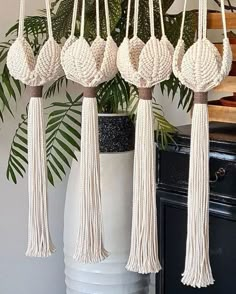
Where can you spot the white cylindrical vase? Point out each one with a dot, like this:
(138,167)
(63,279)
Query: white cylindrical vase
(109,276)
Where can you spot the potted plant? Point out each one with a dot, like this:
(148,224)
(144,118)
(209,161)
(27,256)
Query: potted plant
(117,101)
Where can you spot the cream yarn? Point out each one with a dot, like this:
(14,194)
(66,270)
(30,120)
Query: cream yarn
(89,66)
(34,72)
(22,63)
(144,65)
(201,68)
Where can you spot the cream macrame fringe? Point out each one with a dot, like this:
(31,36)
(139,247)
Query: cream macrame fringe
(197,264)
(39,240)
(144,245)
(89,245)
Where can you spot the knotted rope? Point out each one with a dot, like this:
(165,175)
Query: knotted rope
(34,72)
(144,65)
(90,66)
(201,68)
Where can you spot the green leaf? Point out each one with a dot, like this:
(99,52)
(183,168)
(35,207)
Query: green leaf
(66,148)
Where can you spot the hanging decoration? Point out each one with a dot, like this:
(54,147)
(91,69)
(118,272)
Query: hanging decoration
(144,65)
(201,69)
(33,72)
(89,66)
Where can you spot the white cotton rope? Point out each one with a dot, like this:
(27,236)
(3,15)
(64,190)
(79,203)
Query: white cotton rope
(144,244)
(89,246)
(144,65)
(197,264)
(201,69)
(90,66)
(39,240)
(35,72)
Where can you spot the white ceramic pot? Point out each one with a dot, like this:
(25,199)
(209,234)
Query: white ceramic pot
(110,276)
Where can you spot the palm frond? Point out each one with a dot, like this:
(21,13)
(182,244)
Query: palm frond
(17,160)
(63,136)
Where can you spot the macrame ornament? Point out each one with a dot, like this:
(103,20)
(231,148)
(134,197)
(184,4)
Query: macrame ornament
(201,69)
(33,72)
(144,65)
(89,66)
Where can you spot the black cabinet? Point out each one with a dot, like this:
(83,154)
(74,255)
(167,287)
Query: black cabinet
(173,165)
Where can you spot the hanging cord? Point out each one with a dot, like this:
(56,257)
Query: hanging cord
(22,19)
(108,25)
(152,22)
(162,18)
(97,18)
(82,19)
(224,18)
(128,19)
(74,18)
(183,20)
(136,11)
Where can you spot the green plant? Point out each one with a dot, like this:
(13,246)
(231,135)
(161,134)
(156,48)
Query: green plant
(63,127)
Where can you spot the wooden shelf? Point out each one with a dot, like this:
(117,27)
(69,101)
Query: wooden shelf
(222,113)
(220,48)
(228,85)
(215,20)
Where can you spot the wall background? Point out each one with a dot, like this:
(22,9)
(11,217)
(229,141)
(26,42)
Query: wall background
(18,274)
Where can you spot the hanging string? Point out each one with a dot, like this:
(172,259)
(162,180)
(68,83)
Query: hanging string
(152,22)
(107,18)
(183,20)
(162,18)
(97,18)
(82,19)
(49,19)
(22,19)
(74,18)
(224,18)
(136,11)
(128,19)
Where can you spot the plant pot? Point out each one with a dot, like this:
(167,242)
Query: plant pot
(110,276)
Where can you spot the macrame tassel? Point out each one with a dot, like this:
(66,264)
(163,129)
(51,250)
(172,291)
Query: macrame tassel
(197,264)
(89,246)
(39,240)
(144,244)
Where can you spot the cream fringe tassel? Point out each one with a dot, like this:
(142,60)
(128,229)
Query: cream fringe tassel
(197,264)
(39,240)
(89,246)
(144,244)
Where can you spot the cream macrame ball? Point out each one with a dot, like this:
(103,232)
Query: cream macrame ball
(89,65)
(145,65)
(32,71)
(202,68)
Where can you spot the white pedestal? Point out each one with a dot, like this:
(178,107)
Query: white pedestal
(110,276)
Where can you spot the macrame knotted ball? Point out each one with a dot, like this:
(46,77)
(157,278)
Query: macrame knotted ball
(145,65)
(89,65)
(202,68)
(31,70)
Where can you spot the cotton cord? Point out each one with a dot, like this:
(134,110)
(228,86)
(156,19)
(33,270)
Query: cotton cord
(201,69)
(89,245)
(144,65)
(36,72)
(144,245)
(197,271)
(39,240)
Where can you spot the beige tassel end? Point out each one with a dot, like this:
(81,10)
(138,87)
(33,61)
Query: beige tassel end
(89,246)
(39,240)
(144,242)
(197,271)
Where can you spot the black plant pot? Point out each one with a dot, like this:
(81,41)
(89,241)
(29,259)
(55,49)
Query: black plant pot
(116,133)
